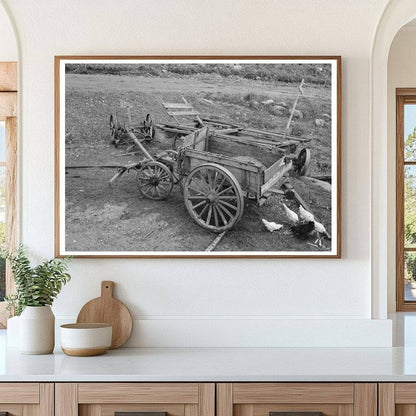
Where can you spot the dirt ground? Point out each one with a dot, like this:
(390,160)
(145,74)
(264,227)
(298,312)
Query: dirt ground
(100,217)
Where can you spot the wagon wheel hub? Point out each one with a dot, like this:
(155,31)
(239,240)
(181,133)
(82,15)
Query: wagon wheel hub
(212,198)
(154,181)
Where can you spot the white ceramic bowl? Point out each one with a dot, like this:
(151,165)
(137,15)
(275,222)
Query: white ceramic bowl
(83,340)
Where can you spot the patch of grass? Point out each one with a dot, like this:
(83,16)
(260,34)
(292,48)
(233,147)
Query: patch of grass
(290,73)
(309,107)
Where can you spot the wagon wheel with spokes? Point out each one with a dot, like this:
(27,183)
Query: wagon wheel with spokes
(155,180)
(213,197)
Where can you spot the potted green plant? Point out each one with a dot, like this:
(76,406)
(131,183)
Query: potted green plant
(36,289)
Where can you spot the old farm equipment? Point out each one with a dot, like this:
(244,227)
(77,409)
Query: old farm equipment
(214,183)
(120,132)
(217,163)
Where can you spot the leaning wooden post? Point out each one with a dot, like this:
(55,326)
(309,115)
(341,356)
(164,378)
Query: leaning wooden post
(294,107)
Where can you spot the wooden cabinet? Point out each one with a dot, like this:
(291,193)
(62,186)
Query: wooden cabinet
(397,399)
(207,399)
(27,399)
(297,399)
(153,399)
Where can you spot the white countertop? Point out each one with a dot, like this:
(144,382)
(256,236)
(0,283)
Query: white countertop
(214,364)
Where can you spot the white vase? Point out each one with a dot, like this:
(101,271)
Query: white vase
(37,330)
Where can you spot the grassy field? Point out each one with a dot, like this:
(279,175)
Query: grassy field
(283,73)
(100,217)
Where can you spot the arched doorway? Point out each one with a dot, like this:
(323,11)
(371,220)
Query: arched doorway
(396,14)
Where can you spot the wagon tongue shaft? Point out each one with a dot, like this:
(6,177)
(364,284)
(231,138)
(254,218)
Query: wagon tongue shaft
(139,145)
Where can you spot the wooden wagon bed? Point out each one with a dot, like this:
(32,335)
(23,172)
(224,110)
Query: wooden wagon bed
(254,176)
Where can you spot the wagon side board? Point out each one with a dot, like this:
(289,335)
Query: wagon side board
(249,176)
(276,173)
(197,140)
(256,132)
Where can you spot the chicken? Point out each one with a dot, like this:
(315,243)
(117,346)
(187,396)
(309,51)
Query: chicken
(303,230)
(305,215)
(271,226)
(291,216)
(319,229)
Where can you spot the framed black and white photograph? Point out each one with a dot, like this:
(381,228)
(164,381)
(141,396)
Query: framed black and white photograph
(198,156)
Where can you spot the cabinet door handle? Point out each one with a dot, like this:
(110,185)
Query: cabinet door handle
(296,414)
(137,414)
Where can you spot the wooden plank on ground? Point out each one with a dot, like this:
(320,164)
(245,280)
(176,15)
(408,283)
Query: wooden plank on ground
(183,113)
(178,105)
(215,242)
(322,184)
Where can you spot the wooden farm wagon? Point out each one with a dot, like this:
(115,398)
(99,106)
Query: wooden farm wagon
(214,184)
(217,163)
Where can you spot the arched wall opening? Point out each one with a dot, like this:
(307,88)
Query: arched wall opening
(401,73)
(396,15)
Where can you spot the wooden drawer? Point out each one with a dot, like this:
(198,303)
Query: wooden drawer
(105,399)
(331,399)
(27,399)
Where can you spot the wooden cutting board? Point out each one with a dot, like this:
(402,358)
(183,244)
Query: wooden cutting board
(107,309)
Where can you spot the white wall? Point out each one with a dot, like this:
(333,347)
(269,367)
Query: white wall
(8,47)
(401,74)
(179,302)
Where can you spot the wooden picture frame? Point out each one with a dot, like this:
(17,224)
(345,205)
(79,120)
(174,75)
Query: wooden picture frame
(210,109)
(8,115)
(403,96)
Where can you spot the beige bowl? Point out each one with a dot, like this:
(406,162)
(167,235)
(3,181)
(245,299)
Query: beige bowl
(84,340)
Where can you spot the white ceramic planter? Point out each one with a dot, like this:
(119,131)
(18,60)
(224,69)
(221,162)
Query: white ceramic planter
(37,330)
